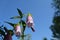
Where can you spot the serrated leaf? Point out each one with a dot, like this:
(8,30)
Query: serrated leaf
(16,17)
(20,13)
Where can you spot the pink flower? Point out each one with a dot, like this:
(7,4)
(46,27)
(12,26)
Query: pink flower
(29,22)
(17,30)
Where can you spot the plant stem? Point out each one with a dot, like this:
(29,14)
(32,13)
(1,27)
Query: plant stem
(23,36)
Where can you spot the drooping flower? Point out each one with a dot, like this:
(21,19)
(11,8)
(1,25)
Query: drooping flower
(17,30)
(30,22)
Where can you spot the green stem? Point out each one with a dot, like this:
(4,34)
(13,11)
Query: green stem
(22,36)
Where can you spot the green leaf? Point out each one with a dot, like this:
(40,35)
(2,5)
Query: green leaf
(20,13)
(2,32)
(24,25)
(16,17)
(10,24)
(5,29)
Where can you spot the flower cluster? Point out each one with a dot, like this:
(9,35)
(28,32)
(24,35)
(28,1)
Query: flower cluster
(17,27)
(29,23)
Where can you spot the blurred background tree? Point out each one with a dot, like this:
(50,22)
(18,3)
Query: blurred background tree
(44,38)
(55,27)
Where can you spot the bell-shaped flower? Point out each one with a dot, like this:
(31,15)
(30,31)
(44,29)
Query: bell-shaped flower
(17,30)
(30,22)
(8,37)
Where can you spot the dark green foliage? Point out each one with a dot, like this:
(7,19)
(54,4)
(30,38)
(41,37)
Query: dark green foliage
(15,17)
(44,38)
(24,25)
(55,27)
(6,30)
(56,20)
(56,4)
(10,32)
(10,23)
(56,30)
(2,32)
(20,13)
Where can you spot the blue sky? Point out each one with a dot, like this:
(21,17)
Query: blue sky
(41,10)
